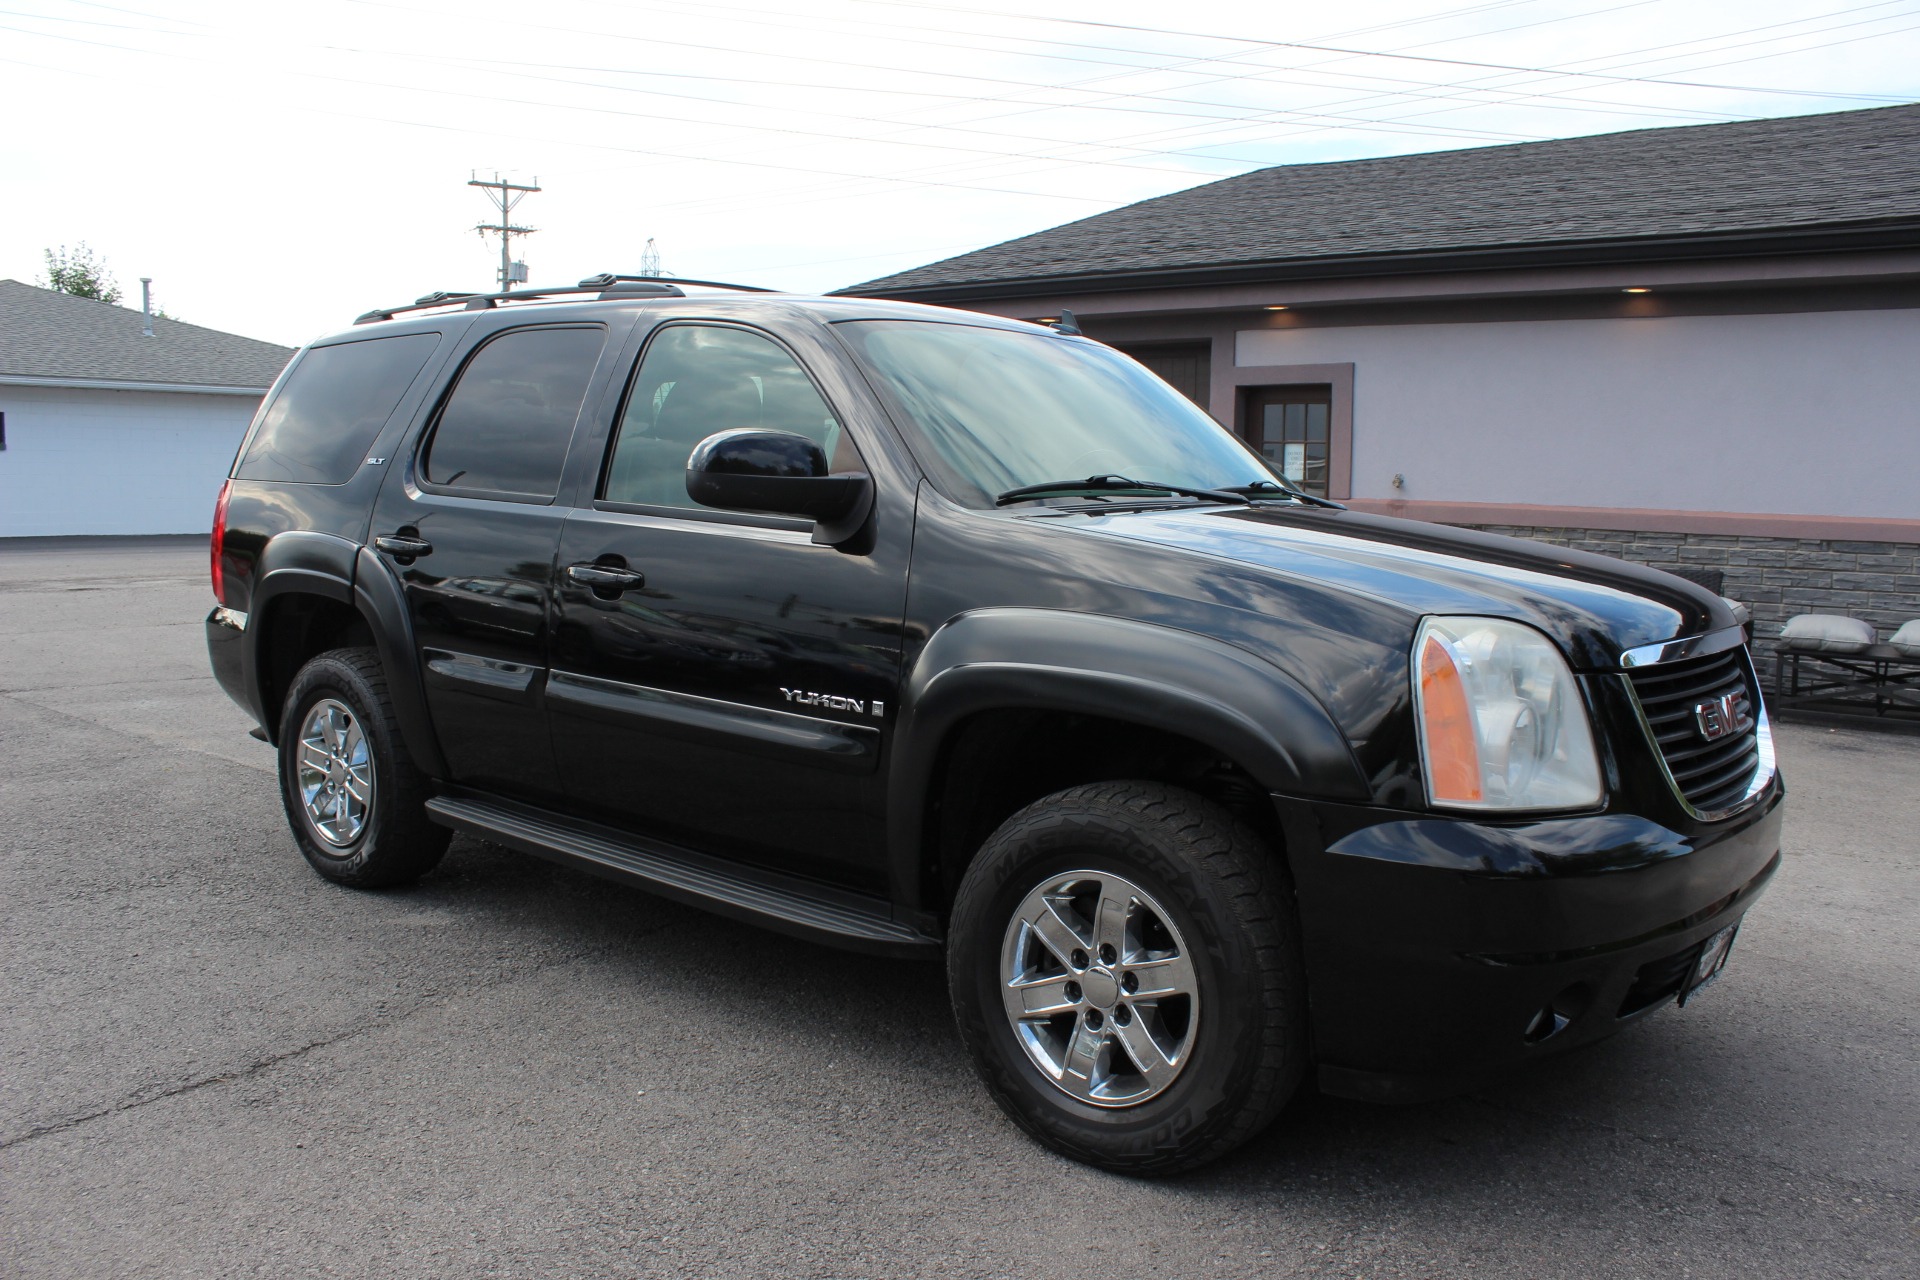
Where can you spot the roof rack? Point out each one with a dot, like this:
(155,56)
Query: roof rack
(605,286)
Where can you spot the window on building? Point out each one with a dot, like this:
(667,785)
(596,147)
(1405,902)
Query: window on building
(696,380)
(331,408)
(1187,367)
(506,426)
(1290,426)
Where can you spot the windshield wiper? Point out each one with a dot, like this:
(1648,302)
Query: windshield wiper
(1260,488)
(1109,484)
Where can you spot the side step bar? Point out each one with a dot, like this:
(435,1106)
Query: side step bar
(791,905)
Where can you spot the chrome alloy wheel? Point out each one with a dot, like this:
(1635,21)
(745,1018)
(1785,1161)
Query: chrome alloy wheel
(335,773)
(1100,988)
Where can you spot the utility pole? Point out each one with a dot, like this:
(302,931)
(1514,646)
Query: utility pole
(505,195)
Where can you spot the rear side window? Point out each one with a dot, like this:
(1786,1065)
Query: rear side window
(333,405)
(506,424)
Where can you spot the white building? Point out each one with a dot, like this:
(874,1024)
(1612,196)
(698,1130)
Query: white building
(106,429)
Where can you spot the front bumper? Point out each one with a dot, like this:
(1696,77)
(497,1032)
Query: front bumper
(1438,950)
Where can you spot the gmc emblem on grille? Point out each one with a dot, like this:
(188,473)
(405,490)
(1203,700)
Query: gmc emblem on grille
(1722,716)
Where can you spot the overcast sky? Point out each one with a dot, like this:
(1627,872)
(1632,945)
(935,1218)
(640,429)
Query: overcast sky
(280,167)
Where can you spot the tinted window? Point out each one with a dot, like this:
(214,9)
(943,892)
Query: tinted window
(332,406)
(996,409)
(505,427)
(698,379)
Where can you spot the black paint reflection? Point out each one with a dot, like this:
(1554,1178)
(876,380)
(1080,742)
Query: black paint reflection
(481,594)
(509,610)
(750,618)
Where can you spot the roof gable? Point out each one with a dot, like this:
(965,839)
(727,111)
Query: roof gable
(48,334)
(1802,172)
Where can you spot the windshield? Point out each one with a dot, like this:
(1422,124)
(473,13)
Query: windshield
(994,410)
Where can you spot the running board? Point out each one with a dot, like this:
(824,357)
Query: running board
(790,905)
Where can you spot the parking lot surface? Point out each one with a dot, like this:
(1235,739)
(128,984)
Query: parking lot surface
(213,1063)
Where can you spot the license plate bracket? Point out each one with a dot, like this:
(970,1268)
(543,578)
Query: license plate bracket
(1710,963)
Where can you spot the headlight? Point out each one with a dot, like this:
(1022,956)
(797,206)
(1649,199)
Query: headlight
(1502,724)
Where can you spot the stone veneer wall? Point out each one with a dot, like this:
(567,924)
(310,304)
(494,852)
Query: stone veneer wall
(1878,582)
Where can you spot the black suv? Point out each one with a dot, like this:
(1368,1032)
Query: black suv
(916,631)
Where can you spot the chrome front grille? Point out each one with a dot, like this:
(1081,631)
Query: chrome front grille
(1680,701)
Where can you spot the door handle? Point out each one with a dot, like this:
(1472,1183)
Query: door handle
(600,577)
(403,548)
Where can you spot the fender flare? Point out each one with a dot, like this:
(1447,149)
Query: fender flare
(382,601)
(1246,708)
(335,568)
(297,562)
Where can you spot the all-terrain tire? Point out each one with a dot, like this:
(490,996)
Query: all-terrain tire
(389,840)
(1227,897)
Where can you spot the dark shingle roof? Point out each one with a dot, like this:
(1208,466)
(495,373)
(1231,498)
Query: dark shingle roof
(47,334)
(1798,173)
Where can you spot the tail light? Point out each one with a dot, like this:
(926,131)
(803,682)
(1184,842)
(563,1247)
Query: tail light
(219,541)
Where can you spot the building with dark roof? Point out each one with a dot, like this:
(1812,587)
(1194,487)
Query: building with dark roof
(112,421)
(1692,346)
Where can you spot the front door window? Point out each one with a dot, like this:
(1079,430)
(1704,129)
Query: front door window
(696,380)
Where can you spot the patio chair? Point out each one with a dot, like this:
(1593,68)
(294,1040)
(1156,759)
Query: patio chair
(1834,661)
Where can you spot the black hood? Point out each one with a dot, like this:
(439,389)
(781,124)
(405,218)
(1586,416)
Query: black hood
(1594,606)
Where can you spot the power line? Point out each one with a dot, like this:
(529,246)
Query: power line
(1001,159)
(943,45)
(1025,86)
(571,141)
(1625,58)
(1381,125)
(1503,95)
(1368,53)
(1187,118)
(999,156)
(1506,97)
(1265,75)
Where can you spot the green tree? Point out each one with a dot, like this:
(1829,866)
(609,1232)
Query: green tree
(81,274)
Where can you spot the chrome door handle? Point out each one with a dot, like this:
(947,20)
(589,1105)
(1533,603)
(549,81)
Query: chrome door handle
(600,577)
(403,548)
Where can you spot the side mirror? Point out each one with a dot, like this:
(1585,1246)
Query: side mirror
(778,473)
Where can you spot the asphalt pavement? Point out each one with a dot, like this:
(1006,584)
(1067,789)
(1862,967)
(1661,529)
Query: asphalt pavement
(213,1063)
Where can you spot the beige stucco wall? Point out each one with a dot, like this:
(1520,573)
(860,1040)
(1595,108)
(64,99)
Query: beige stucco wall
(1805,413)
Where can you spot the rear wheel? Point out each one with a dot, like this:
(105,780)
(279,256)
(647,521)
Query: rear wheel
(1125,970)
(353,796)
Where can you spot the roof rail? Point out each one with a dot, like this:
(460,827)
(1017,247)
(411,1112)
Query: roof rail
(609,279)
(607,285)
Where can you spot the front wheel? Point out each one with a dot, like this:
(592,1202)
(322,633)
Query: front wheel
(354,797)
(1124,966)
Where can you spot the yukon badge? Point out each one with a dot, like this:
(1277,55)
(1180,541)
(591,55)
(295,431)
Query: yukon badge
(833,701)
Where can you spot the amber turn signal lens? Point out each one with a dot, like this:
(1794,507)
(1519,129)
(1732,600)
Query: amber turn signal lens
(1453,757)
